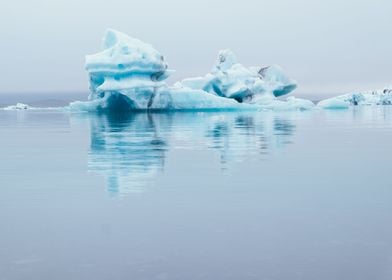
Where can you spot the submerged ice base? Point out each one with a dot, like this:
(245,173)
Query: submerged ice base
(130,75)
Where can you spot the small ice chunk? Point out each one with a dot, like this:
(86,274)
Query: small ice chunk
(290,104)
(299,103)
(376,97)
(18,106)
(333,103)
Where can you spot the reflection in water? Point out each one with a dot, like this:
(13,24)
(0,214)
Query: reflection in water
(130,149)
(239,137)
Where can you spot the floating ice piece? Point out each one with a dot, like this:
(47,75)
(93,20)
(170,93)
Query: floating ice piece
(18,106)
(291,103)
(24,107)
(230,79)
(129,74)
(377,97)
(333,103)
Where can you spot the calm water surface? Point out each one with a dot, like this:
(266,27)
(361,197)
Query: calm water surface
(251,195)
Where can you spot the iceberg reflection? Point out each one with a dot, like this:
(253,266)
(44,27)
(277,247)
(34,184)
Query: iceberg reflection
(129,149)
(249,135)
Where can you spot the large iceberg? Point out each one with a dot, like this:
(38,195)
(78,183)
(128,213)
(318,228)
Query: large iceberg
(376,97)
(129,74)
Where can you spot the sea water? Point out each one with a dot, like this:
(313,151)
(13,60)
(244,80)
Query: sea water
(193,195)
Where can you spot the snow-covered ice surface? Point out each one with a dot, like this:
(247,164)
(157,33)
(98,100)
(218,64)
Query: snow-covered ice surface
(376,97)
(129,74)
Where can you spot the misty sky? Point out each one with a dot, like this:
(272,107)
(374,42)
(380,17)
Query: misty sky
(327,46)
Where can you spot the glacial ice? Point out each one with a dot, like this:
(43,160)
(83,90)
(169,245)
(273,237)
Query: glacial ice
(129,74)
(18,106)
(25,107)
(333,103)
(377,97)
(291,103)
(230,79)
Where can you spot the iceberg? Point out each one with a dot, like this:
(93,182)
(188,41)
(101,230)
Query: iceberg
(129,75)
(334,103)
(230,79)
(376,97)
(18,106)
(24,107)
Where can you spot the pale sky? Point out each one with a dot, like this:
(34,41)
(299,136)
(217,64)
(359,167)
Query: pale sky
(330,46)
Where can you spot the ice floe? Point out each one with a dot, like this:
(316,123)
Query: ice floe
(376,97)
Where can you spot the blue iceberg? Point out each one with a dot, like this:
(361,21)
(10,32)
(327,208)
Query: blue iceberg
(376,97)
(230,79)
(129,75)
